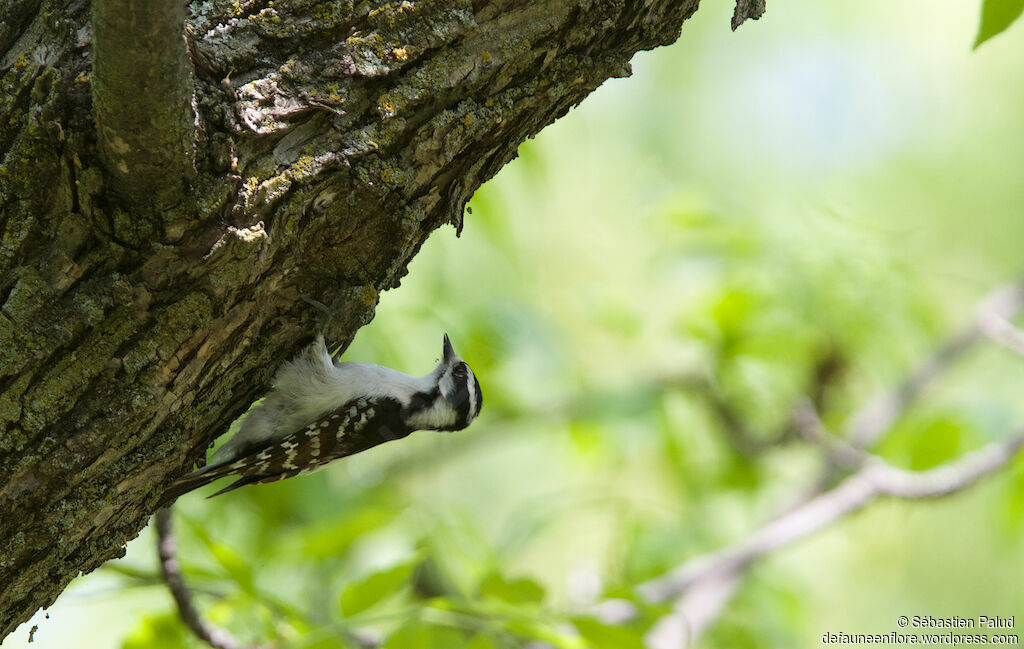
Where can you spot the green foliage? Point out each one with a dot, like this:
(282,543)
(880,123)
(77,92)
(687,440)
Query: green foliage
(996,17)
(363,594)
(925,442)
(423,635)
(481,641)
(511,591)
(1012,511)
(159,632)
(332,537)
(597,635)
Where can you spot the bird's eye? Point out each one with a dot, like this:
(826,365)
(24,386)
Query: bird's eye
(459,371)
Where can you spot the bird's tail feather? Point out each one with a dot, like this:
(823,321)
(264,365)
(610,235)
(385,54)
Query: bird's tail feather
(195,480)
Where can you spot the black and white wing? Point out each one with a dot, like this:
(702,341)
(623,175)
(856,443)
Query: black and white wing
(353,427)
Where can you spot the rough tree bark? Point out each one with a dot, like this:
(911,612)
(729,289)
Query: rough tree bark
(165,202)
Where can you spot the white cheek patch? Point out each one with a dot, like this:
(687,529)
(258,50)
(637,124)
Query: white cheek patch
(438,415)
(447,385)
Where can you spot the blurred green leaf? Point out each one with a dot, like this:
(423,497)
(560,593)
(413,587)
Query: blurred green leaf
(332,538)
(513,591)
(651,548)
(731,314)
(328,642)
(729,635)
(996,17)
(1013,500)
(925,441)
(587,436)
(545,632)
(361,595)
(602,636)
(423,635)
(226,556)
(159,632)
(481,641)
(236,567)
(431,579)
(763,614)
(939,442)
(501,619)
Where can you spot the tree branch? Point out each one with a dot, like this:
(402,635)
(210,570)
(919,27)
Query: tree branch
(840,453)
(875,479)
(142,94)
(878,415)
(167,549)
(703,586)
(1001,331)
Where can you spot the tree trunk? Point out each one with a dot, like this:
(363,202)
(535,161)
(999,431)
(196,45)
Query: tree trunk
(166,203)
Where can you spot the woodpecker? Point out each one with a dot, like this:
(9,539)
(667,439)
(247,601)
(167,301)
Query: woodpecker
(320,410)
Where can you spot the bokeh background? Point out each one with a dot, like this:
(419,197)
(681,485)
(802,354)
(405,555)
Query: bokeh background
(832,186)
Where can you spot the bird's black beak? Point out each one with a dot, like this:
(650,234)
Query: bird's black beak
(449,353)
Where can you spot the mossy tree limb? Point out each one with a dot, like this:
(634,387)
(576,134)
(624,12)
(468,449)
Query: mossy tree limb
(142,94)
(330,139)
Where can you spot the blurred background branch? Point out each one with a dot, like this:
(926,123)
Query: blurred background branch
(876,478)
(170,570)
(878,416)
(703,586)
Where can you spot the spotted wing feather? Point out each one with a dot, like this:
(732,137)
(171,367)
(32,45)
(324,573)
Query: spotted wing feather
(353,427)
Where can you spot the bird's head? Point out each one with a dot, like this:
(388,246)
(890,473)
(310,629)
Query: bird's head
(458,387)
